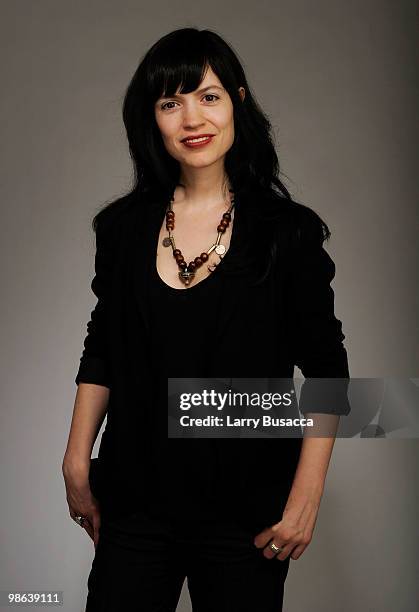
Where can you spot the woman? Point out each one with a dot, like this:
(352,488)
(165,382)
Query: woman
(206,267)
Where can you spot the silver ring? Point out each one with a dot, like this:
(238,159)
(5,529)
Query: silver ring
(276,549)
(80,520)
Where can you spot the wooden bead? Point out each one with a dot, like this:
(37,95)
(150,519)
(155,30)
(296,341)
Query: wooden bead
(200,259)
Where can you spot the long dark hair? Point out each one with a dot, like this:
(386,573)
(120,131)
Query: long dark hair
(181,58)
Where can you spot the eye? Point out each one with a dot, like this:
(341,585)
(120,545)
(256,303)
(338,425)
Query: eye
(165,104)
(166,107)
(211,96)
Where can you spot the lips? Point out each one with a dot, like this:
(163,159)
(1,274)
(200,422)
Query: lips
(197,141)
(196,136)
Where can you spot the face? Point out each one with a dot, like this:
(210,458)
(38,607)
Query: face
(206,111)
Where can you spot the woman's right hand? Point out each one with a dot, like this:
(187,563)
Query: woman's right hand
(81,501)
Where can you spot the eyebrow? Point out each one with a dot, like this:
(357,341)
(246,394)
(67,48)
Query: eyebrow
(199,91)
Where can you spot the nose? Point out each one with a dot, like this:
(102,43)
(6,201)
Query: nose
(192,116)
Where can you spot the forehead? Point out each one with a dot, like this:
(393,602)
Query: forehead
(210,80)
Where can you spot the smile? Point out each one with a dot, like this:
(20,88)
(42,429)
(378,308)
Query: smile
(197,142)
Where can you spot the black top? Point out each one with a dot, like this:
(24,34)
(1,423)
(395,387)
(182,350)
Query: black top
(186,472)
(241,330)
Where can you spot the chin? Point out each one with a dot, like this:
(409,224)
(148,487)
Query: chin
(202,163)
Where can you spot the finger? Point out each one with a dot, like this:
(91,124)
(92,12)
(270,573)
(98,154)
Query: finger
(261,540)
(268,552)
(96,528)
(298,551)
(286,550)
(88,527)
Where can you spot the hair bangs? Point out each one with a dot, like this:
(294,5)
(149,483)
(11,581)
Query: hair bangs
(182,75)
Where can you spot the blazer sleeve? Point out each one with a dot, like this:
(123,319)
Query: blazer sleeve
(94,362)
(319,350)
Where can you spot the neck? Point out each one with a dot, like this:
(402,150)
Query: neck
(203,187)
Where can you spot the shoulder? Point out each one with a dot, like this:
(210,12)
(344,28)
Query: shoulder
(290,224)
(110,221)
(307,226)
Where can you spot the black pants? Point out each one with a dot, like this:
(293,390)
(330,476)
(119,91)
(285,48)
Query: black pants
(142,560)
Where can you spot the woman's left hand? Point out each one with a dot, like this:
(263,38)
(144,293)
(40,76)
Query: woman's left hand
(293,533)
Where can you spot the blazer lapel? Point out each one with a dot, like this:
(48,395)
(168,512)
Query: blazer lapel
(146,228)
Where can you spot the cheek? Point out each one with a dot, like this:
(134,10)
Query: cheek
(159,123)
(228,133)
(228,125)
(167,128)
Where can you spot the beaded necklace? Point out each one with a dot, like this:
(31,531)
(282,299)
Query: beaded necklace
(187,270)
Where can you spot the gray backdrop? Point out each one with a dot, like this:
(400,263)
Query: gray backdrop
(339,81)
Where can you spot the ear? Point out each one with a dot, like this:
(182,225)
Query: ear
(242,92)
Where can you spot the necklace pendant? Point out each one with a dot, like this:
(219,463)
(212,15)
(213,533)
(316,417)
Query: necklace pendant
(186,276)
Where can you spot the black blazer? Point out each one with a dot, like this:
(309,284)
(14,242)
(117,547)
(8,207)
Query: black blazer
(297,327)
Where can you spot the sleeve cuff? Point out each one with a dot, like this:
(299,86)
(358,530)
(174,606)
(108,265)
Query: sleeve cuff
(93,371)
(325,396)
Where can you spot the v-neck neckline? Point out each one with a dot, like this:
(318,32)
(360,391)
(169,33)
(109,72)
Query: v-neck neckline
(207,279)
